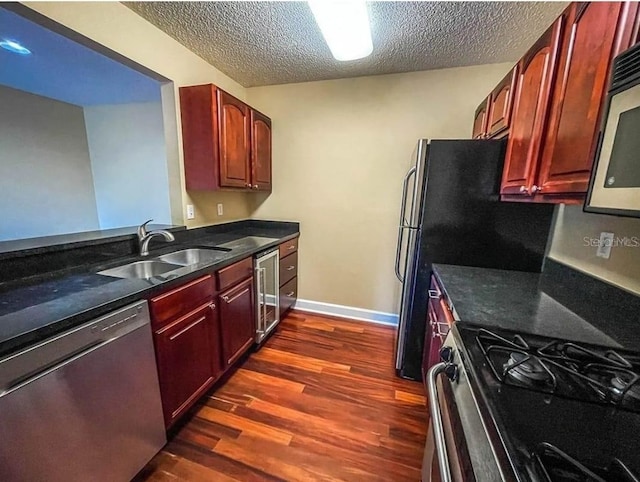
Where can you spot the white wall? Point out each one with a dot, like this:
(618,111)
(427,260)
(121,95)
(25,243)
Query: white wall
(45,174)
(129,164)
(340,151)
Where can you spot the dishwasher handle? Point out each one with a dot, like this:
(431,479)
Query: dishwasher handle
(32,363)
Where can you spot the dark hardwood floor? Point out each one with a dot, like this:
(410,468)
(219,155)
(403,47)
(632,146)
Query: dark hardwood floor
(320,401)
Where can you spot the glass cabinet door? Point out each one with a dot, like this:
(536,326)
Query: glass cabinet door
(268,299)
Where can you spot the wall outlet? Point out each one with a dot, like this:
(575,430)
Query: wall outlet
(605,244)
(220,209)
(190,211)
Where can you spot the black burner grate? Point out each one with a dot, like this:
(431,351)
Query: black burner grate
(563,368)
(554,465)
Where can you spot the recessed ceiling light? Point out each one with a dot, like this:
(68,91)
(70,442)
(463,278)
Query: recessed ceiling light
(345,27)
(15,47)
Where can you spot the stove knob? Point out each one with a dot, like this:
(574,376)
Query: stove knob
(446,354)
(451,371)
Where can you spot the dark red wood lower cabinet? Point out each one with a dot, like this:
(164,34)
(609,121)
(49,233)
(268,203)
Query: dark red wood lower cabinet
(237,321)
(188,357)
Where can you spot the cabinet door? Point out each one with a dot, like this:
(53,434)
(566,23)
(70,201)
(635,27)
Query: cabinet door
(500,106)
(237,321)
(260,151)
(188,360)
(587,51)
(480,120)
(234,145)
(531,105)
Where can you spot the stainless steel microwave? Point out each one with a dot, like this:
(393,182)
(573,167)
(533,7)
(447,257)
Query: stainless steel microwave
(615,180)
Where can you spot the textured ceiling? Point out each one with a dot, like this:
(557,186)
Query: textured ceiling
(263,43)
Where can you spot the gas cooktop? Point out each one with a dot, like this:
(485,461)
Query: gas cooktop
(562,411)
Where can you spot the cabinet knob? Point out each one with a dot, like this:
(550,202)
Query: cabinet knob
(255,186)
(536,189)
(523,189)
(248,185)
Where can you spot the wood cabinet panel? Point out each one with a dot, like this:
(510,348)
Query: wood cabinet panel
(288,295)
(531,105)
(199,113)
(480,120)
(237,321)
(174,303)
(188,360)
(235,273)
(234,141)
(580,90)
(288,247)
(500,106)
(260,151)
(288,268)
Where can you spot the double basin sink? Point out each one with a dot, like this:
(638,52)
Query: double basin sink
(167,263)
(163,265)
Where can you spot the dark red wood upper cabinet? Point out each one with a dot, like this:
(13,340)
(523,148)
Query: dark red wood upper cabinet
(234,141)
(199,114)
(260,151)
(188,360)
(480,120)
(536,75)
(588,47)
(500,105)
(237,321)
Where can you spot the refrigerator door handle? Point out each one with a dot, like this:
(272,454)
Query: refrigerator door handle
(403,221)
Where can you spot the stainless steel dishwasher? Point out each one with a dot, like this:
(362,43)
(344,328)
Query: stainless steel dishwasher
(83,405)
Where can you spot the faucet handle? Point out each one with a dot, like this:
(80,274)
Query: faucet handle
(142,229)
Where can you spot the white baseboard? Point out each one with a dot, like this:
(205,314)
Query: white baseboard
(351,312)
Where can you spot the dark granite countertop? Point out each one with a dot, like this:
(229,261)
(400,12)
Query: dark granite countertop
(560,303)
(33,310)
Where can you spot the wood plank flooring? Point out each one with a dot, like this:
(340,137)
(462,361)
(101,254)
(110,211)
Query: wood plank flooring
(320,401)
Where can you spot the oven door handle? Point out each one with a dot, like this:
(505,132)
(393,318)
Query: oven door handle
(436,420)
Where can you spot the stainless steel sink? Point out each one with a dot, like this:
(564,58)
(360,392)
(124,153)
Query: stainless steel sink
(141,269)
(187,257)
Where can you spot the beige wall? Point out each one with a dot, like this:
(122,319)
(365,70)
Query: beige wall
(569,245)
(340,150)
(120,29)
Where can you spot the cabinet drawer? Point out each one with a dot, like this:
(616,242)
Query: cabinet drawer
(172,304)
(235,273)
(288,295)
(288,247)
(288,268)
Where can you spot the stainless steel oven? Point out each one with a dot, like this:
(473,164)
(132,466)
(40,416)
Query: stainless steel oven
(615,180)
(458,447)
(267,274)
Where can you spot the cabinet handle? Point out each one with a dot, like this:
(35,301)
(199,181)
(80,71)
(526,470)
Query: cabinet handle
(293,246)
(229,300)
(291,268)
(291,293)
(186,328)
(434,295)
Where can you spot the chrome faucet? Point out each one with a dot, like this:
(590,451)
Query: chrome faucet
(144,237)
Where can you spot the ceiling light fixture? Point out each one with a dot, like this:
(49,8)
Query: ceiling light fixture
(15,47)
(345,27)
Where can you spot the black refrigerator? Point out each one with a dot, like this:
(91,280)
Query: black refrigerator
(451,213)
